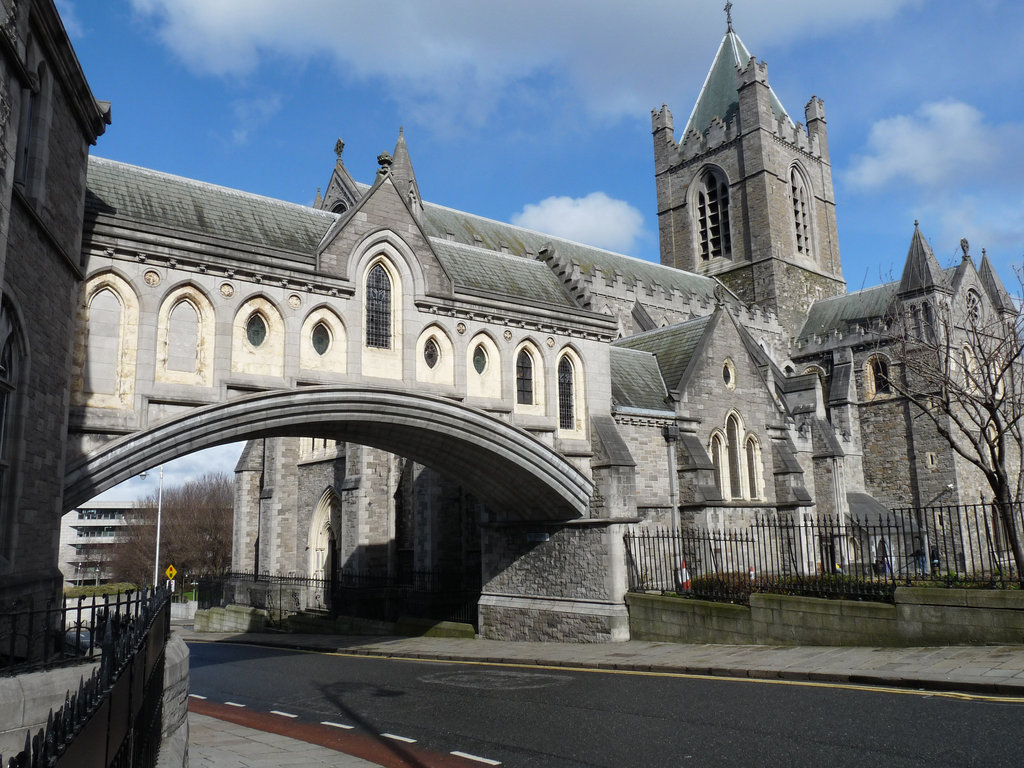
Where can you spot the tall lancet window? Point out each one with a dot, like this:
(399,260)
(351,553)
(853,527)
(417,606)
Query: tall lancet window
(566,396)
(524,378)
(801,211)
(715,240)
(378,308)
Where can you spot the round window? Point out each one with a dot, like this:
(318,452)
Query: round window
(256,329)
(480,358)
(728,374)
(321,339)
(431,354)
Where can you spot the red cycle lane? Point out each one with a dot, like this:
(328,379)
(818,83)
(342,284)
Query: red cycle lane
(377,749)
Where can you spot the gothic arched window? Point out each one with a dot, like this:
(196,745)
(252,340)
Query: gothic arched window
(714,237)
(183,337)
(753,451)
(732,437)
(104,341)
(320,338)
(801,211)
(256,329)
(566,396)
(717,460)
(378,308)
(877,377)
(524,378)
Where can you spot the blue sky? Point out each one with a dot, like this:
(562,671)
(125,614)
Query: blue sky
(539,112)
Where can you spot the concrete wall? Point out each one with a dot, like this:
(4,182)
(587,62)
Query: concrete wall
(920,616)
(26,700)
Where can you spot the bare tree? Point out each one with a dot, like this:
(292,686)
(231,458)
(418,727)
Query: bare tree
(196,529)
(961,367)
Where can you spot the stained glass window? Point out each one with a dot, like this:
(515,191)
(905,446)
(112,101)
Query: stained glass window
(256,329)
(378,308)
(566,398)
(431,354)
(524,378)
(321,339)
(480,359)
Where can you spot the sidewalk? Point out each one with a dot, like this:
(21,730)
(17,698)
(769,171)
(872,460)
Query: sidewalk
(992,670)
(217,743)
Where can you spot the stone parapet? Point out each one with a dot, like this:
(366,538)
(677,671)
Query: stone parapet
(234,618)
(504,617)
(920,616)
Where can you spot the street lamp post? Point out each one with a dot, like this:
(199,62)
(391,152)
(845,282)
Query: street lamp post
(159,513)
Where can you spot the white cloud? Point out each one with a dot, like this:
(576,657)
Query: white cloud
(468,56)
(251,114)
(943,144)
(595,219)
(221,458)
(956,171)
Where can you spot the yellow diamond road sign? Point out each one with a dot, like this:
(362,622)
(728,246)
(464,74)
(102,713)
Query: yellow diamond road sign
(171,571)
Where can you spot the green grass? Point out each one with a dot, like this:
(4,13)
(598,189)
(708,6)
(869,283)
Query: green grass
(100,590)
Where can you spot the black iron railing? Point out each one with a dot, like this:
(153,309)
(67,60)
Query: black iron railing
(114,718)
(828,557)
(37,635)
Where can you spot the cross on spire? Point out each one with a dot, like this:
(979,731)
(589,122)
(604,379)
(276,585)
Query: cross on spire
(728,15)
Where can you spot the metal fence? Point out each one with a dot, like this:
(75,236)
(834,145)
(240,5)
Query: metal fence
(828,557)
(368,594)
(35,635)
(113,720)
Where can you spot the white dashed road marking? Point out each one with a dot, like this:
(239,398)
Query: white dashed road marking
(233,704)
(197,696)
(398,738)
(282,714)
(484,760)
(337,725)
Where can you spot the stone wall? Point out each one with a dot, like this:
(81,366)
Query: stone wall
(920,616)
(554,582)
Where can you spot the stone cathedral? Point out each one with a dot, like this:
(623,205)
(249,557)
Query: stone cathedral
(736,378)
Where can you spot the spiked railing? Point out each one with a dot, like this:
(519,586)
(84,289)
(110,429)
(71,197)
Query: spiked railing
(113,719)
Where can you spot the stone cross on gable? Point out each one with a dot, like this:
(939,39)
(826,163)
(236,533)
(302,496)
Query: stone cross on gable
(728,14)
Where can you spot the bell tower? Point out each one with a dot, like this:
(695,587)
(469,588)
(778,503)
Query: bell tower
(746,194)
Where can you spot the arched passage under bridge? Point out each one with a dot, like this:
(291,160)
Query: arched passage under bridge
(515,474)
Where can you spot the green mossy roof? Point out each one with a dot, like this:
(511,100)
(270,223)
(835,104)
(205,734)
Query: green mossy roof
(142,196)
(719,96)
(636,380)
(673,346)
(841,313)
(477,269)
(150,198)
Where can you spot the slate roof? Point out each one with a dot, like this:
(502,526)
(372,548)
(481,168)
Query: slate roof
(135,194)
(636,380)
(477,269)
(674,346)
(994,286)
(719,96)
(842,313)
(921,271)
(151,198)
(468,228)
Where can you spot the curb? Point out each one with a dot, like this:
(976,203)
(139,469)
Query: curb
(854,678)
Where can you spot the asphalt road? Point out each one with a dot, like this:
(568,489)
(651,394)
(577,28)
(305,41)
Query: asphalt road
(560,718)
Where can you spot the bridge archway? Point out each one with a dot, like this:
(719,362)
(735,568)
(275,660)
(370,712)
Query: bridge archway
(516,475)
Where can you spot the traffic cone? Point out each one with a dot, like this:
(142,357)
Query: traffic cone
(751,573)
(684,578)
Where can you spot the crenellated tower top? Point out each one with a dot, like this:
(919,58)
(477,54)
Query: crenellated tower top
(745,193)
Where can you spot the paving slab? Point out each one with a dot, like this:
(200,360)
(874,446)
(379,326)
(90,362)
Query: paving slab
(215,743)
